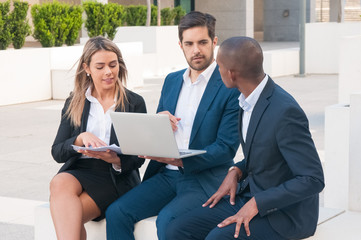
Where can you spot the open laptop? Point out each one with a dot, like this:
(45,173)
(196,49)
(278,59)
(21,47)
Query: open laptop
(147,135)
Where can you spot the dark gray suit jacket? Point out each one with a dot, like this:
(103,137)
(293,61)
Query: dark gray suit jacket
(281,167)
(63,152)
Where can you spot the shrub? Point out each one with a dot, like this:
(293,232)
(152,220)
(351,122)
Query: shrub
(43,24)
(115,14)
(103,19)
(179,12)
(5,28)
(75,14)
(61,22)
(153,15)
(136,15)
(167,16)
(20,27)
(95,20)
(56,23)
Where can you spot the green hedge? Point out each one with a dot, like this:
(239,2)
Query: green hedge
(179,12)
(115,14)
(95,21)
(103,19)
(5,27)
(20,27)
(167,16)
(56,23)
(75,14)
(136,15)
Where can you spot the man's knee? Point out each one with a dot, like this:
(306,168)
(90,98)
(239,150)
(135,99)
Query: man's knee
(215,234)
(174,231)
(115,212)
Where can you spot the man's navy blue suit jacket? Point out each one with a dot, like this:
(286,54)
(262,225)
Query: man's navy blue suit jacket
(281,165)
(215,129)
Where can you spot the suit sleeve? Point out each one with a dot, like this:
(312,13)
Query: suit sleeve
(222,151)
(128,162)
(297,148)
(61,149)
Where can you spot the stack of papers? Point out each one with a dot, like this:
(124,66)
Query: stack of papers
(112,147)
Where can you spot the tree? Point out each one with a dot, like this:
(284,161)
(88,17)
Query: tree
(148,13)
(158,15)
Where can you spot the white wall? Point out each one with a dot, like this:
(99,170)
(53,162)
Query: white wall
(349,67)
(162,53)
(336,166)
(355,153)
(322,45)
(35,74)
(25,75)
(281,62)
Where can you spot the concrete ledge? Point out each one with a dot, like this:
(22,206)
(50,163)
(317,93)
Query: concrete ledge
(343,226)
(44,228)
(325,215)
(281,62)
(145,229)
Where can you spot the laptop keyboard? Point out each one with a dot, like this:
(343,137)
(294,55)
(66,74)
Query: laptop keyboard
(184,152)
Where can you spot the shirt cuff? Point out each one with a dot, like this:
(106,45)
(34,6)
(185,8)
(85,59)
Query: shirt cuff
(117,167)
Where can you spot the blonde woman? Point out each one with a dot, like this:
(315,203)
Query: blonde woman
(89,181)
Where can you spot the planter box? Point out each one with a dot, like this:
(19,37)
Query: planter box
(36,74)
(323,42)
(162,53)
(25,75)
(349,68)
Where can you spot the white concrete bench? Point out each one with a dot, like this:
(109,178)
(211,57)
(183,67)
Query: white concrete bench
(44,228)
(144,230)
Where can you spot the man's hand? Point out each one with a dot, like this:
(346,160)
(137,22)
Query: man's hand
(173,161)
(228,187)
(173,120)
(243,216)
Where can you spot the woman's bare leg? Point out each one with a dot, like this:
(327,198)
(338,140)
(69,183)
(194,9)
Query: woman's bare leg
(70,207)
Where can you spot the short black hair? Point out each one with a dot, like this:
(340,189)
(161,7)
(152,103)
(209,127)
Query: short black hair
(197,19)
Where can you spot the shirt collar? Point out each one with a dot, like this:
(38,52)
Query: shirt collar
(88,95)
(247,104)
(205,75)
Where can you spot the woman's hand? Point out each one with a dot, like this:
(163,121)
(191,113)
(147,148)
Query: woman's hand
(108,156)
(88,139)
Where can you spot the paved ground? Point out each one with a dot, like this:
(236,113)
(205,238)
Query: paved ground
(28,130)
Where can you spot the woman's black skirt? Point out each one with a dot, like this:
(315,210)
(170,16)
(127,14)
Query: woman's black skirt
(95,177)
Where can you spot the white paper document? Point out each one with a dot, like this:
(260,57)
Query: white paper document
(112,147)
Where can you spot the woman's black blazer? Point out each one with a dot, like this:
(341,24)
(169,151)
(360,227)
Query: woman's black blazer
(63,152)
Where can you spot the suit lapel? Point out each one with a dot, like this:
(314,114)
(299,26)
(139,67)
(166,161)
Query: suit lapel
(174,94)
(257,113)
(209,94)
(85,115)
(240,126)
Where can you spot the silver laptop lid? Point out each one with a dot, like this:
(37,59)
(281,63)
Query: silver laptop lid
(145,134)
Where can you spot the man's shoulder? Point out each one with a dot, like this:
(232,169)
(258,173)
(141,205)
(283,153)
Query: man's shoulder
(281,102)
(178,73)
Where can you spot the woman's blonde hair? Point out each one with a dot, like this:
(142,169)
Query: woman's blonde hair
(83,82)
